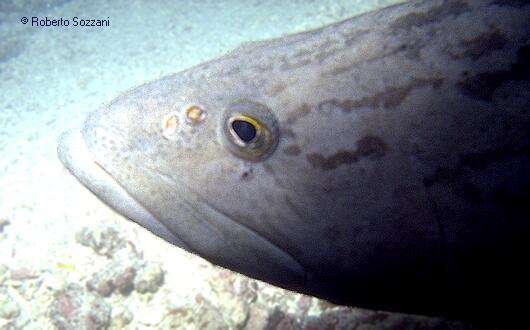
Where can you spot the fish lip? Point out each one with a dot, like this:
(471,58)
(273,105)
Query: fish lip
(81,162)
(77,158)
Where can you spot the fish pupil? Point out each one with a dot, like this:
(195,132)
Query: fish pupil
(244,130)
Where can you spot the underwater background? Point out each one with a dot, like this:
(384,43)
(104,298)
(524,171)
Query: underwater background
(67,261)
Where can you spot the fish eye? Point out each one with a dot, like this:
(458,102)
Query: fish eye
(250,130)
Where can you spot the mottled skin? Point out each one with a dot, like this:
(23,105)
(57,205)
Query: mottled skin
(401,178)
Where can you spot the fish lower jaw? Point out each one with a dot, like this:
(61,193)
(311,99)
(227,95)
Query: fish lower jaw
(77,158)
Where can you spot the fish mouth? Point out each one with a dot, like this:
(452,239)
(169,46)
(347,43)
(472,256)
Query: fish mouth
(271,263)
(77,158)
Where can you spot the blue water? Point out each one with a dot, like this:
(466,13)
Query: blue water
(51,77)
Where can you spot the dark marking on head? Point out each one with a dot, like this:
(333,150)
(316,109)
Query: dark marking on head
(292,150)
(323,53)
(482,86)
(394,96)
(371,147)
(341,157)
(298,113)
(303,52)
(352,37)
(388,99)
(248,174)
(293,63)
(435,14)
(287,133)
(410,50)
(318,52)
(346,105)
(483,44)
(340,68)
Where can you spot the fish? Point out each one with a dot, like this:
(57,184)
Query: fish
(379,162)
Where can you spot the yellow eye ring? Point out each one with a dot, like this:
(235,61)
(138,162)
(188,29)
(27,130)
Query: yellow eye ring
(250,130)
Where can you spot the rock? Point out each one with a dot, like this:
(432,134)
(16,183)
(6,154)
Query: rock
(258,317)
(190,317)
(98,314)
(113,276)
(103,240)
(23,273)
(341,318)
(125,280)
(9,309)
(121,318)
(278,320)
(102,286)
(149,278)
(74,308)
(4,223)
(3,273)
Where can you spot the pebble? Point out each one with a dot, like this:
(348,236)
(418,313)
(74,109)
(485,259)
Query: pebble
(103,240)
(3,273)
(149,278)
(75,308)
(121,318)
(114,276)
(4,223)
(9,309)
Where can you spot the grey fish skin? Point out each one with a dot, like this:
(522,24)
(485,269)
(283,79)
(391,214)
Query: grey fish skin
(381,162)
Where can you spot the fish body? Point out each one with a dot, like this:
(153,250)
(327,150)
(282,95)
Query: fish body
(382,161)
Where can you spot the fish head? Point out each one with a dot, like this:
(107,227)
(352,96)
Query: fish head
(190,166)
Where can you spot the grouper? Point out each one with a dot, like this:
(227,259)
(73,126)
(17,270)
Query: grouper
(381,161)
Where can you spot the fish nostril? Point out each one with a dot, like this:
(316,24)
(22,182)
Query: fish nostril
(195,114)
(170,125)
